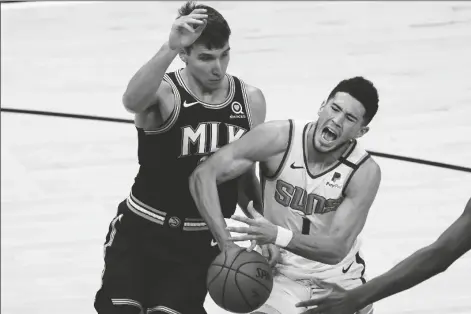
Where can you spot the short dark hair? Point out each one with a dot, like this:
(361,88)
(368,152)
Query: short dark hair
(362,90)
(217,31)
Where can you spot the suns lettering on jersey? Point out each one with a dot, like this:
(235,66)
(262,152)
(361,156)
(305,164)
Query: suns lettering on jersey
(204,134)
(298,199)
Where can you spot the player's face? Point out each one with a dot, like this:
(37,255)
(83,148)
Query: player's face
(340,120)
(208,66)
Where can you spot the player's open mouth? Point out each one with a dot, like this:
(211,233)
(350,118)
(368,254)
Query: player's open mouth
(328,134)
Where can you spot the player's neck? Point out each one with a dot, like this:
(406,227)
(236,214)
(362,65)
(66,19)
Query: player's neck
(211,95)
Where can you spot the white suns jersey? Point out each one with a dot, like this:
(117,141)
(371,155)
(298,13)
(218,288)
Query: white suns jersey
(306,203)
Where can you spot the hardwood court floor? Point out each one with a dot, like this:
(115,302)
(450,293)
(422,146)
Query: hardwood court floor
(62,178)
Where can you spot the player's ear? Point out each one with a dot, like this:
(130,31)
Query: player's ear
(183,54)
(364,129)
(322,107)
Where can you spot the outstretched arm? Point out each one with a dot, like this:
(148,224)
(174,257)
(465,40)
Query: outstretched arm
(261,143)
(418,267)
(423,264)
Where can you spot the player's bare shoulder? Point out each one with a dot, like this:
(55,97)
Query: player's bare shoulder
(257,104)
(158,113)
(279,132)
(366,178)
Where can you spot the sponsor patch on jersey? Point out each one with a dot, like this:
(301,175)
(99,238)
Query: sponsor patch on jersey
(238,111)
(334,185)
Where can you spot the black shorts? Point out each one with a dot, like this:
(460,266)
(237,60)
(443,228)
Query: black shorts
(153,269)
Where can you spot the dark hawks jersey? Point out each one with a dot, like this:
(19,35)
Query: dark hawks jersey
(168,155)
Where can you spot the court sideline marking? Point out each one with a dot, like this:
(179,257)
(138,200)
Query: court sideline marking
(117,120)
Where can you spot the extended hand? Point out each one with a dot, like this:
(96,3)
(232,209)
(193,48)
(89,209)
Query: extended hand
(337,301)
(259,229)
(186,29)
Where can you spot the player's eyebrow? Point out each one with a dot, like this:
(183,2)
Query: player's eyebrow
(346,113)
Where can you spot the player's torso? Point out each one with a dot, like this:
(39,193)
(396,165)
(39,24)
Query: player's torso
(168,155)
(302,201)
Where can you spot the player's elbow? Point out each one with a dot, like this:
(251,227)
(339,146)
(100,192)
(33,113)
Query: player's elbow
(442,257)
(339,256)
(334,255)
(130,103)
(341,248)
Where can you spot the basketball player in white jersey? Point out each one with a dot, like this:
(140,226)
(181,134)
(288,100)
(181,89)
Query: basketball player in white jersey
(318,186)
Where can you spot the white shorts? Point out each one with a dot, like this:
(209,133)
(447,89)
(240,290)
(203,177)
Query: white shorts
(287,292)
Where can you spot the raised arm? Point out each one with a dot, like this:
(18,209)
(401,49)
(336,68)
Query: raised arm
(260,144)
(144,89)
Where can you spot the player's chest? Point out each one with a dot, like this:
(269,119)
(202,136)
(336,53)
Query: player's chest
(298,191)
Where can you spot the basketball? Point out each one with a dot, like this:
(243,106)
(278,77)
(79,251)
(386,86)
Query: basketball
(239,281)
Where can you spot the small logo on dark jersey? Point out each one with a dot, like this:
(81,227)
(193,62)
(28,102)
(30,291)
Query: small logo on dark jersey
(174,222)
(344,270)
(186,105)
(237,110)
(293,166)
(336,176)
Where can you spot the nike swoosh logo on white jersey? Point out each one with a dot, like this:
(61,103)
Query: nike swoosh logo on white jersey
(213,243)
(186,105)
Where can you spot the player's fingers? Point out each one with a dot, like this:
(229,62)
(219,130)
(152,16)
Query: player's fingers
(198,11)
(243,219)
(314,301)
(242,238)
(326,285)
(253,211)
(253,244)
(194,21)
(316,310)
(272,261)
(198,16)
(187,27)
(238,229)
(265,252)
(273,258)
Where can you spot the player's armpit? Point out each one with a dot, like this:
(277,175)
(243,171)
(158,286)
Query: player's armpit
(161,110)
(351,215)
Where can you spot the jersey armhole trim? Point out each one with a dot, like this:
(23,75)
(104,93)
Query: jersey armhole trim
(167,125)
(246,101)
(285,155)
(352,173)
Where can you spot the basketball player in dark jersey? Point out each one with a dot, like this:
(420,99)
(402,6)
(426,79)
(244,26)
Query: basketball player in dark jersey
(158,247)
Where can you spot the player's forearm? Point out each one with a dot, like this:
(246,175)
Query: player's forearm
(250,190)
(415,269)
(204,191)
(320,248)
(145,83)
